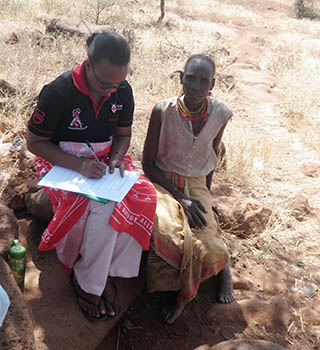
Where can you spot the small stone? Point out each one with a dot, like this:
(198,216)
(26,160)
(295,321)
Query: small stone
(309,290)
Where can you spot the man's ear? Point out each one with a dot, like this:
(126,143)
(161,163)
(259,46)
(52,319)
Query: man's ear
(212,83)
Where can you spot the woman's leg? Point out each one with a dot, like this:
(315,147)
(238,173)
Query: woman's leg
(105,252)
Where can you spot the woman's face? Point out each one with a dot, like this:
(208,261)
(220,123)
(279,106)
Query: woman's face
(104,77)
(197,81)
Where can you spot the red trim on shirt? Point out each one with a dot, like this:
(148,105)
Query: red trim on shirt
(79,80)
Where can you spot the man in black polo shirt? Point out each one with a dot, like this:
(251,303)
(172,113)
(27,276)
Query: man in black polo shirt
(90,109)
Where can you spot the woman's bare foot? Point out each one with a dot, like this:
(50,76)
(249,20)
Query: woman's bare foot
(111,299)
(171,313)
(225,288)
(91,305)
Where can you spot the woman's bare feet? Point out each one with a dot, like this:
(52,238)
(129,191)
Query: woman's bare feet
(92,306)
(225,288)
(111,299)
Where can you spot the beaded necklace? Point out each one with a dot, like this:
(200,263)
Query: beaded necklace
(200,113)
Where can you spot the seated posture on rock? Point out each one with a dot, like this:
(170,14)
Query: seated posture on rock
(180,155)
(85,111)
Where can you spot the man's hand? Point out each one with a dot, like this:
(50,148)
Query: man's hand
(92,169)
(193,209)
(116,163)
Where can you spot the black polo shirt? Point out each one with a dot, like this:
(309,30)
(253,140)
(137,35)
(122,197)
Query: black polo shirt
(67,112)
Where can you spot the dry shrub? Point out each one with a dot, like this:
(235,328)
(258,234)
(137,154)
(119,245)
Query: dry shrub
(296,71)
(248,156)
(305,9)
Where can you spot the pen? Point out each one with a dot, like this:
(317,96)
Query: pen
(92,151)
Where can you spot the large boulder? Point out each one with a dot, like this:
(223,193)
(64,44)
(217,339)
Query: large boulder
(82,28)
(239,214)
(38,203)
(6,89)
(310,169)
(35,37)
(251,312)
(17,186)
(251,77)
(73,26)
(8,228)
(243,344)
(299,207)
(17,330)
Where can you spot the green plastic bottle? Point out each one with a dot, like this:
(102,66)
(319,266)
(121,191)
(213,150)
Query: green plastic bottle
(17,262)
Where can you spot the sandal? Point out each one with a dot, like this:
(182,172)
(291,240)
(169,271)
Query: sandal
(113,302)
(82,298)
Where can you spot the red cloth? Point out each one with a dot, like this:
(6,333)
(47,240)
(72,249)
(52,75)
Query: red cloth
(134,215)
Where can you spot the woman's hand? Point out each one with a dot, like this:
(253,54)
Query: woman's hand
(92,169)
(193,209)
(116,162)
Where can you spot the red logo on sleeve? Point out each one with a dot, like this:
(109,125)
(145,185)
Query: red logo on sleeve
(38,116)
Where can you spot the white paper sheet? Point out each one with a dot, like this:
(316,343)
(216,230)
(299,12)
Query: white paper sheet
(110,186)
(4,304)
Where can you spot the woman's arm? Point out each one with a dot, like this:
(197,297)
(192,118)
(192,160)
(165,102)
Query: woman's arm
(150,151)
(120,145)
(192,208)
(44,148)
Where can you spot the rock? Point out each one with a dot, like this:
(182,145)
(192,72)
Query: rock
(260,93)
(14,192)
(310,169)
(250,77)
(311,313)
(17,330)
(76,27)
(11,38)
(226,80)
(54,305)
(17,186)
(246,65)
(38,203)
(299,207)
(252,312)
(6,89)
(222,190)
(241,215)
(8,228)
(243,344)
(71,26)
(36,38)
(240,282)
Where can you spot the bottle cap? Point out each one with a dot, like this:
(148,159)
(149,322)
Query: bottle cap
(17,251)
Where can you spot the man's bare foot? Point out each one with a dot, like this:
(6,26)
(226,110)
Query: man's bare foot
(111,299)
(91,305)
(225,289)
